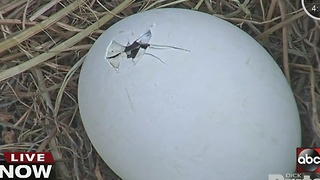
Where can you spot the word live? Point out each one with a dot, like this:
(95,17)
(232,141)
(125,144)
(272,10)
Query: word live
(27,157)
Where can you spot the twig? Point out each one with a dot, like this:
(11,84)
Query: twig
(67,44)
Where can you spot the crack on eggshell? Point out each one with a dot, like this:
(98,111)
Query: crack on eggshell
(116,53)
(129,98)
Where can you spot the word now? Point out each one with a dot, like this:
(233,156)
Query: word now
(25,171)
(28,157)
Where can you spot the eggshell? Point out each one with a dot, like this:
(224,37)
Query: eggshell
(219,109)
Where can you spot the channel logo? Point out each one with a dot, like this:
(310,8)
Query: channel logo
(308,160)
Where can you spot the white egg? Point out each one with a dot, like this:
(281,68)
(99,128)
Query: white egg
(217,108)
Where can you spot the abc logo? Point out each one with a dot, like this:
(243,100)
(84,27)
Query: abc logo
(308,160)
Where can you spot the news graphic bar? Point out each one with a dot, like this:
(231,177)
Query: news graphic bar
(29,157)
(26,165)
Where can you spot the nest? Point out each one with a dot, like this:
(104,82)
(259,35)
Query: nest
(42,45)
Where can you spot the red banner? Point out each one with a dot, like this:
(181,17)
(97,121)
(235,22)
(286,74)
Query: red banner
(28,157)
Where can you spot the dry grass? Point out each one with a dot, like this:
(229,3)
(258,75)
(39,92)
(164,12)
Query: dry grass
(42,44)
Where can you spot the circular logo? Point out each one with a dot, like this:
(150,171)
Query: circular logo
(309,160)
(312,8)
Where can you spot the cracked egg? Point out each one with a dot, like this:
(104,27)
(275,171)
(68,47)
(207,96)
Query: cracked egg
(179,94)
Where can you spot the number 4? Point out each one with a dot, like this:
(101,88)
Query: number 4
(313,8)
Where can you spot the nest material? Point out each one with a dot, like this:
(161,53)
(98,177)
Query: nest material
(42,45)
